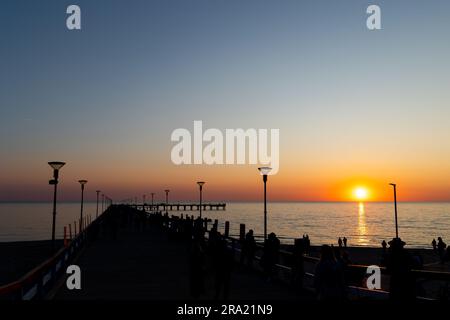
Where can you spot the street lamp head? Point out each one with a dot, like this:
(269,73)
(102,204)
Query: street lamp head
(392,184)
(82,182)
(98,191)
(200,183)
(56,165)
(264,170)
(166,191)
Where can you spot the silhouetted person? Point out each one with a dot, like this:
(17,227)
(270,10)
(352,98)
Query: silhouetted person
(270,255)
(434,244)
(447,254)
(441,248)
(223,265)
(307,243)
(196,271)
(298,263)
(329,277)
(342,260)
(345,242)
(399,265)
(384,246)
(188,229)
(248,249)
(199,231)
(214,237)
(340,242)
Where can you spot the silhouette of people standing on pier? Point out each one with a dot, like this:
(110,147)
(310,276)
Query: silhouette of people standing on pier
(345,242)
(399,265)
(383,252)
(434,244)
(248,249)
(307,244)
(329,277)
(196,270)
(270,255)
(298,265)
(384,246)
(223,265)
(199,231)
(441,249)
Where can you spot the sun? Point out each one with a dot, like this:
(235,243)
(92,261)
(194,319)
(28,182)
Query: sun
(361,193)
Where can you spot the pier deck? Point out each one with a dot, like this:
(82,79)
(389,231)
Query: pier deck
(146,265)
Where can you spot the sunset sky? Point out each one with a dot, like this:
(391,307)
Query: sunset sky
(355,108)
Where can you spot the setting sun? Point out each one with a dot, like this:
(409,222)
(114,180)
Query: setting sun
(361,193)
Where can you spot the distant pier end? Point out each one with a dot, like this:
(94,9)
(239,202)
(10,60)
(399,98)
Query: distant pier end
(180,206)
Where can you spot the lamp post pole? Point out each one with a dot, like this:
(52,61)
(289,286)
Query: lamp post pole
(153,195)
(395,207)
(200,184)
(96,212)
(82,183)
(103,202)
(56,165)
(264,172)
(167,199)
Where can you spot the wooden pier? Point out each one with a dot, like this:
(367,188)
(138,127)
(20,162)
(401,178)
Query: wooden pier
(157,265)
(179,206)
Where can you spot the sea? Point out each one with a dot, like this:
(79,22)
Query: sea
(363,224)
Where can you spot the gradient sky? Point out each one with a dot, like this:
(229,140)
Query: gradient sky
(354,107)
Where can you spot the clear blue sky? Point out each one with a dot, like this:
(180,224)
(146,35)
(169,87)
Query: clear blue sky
(106,98)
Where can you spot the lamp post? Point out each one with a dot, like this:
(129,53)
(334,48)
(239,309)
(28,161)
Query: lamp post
(264,171)
(96,213)
(200,184)
(167,198)
(56,166)
(82,183)
(395,206)
(103,202)
(153,195)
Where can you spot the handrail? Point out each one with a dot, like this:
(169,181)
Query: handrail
(429,274)
(38,281)
(417,274)
(31,275)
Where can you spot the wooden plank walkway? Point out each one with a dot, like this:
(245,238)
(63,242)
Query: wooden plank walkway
(145,265)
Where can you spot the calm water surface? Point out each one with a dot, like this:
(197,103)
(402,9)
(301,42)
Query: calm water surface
(364,224)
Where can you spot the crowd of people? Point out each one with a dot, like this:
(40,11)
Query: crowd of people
(441,248)
(213,258)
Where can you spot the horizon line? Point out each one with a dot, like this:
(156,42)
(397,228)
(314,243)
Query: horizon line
(236,201)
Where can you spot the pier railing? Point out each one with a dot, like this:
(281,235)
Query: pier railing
(39,282)
(355,273)
(180,206)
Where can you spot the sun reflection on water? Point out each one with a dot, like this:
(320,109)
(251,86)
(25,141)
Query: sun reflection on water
(362,227)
